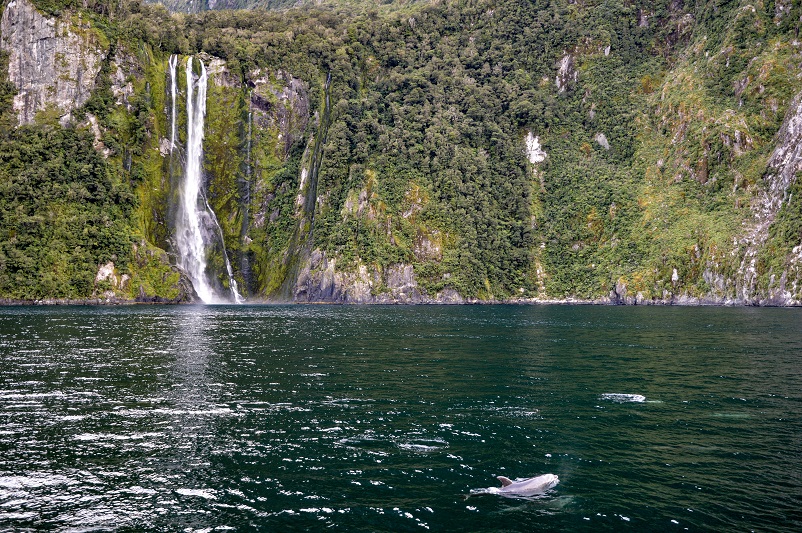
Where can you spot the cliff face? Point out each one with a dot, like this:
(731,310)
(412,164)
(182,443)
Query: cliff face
(69,227)
(783,169)
(52,62)
(432,157)
(319,280)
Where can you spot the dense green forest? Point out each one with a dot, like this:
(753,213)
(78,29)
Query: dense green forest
(656,120)
(349,7)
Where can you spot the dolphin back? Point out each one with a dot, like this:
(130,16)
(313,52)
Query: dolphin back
(529,486)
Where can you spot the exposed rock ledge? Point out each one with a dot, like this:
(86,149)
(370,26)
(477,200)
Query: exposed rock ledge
(320,281)
(783,167)
(52,61)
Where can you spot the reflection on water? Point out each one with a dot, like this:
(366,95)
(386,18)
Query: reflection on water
(386,418)
(188,414)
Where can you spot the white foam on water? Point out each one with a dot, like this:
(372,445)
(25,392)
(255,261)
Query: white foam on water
(622,398)
(8,395)
(140,490)
(221,411)
(18,516)
(207,494)
(32,482)
(423,446)
(112,436)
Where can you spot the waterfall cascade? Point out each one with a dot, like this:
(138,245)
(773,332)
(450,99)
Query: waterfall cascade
(173,63)
(246,190)
(232,283)
(195,219)
(189,235)
(248,155)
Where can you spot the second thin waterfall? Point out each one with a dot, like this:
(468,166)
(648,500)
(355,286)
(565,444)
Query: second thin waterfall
(194,214)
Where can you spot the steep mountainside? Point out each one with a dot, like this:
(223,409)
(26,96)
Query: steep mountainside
(631,152)
(197,6)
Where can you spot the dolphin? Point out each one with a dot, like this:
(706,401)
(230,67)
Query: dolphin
(521,487)
(528,486)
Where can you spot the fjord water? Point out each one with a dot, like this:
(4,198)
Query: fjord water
(298,418)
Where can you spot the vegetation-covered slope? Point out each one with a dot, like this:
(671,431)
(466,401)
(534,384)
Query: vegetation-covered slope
(342,6)
(382,155)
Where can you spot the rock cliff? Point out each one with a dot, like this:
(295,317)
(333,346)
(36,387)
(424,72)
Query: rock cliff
(783,169)
(372,158)
(52,61)
(320,280)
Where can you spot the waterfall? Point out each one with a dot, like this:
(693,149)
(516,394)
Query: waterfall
(248,153)
(245,267)
(189,234)
(238,299)
(173,64)
(195,214)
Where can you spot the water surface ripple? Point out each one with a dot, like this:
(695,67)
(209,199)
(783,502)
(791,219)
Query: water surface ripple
(299,418)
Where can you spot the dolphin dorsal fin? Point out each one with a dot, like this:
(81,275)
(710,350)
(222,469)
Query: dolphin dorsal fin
(505,481)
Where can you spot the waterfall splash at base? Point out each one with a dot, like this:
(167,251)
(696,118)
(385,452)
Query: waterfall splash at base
(196,223)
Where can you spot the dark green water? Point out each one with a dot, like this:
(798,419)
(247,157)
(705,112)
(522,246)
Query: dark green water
(383,418)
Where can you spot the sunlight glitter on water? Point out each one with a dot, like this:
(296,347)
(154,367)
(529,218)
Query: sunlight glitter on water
(299,418)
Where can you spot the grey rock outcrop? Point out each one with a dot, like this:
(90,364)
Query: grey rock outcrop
(124,68)
(601,140)
(218,72)
(783,165)
(566,72)
(52,61)
(782,8)
(403,287)
(280,101)
(319,280)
